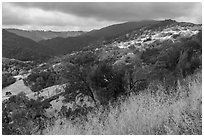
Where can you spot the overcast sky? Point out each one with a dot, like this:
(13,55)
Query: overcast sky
(88,16)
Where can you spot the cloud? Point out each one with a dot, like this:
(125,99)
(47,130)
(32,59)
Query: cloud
(37,18)
(89,15)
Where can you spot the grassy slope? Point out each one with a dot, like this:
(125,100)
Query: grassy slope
(146,113)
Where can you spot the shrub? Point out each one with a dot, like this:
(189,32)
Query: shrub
(107,83)
(150,55)
(190,58)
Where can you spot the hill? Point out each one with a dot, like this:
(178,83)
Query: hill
(38,35)
(119,29)
(17,47)
(67,45)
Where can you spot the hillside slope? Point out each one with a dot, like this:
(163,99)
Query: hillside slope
(67,45)
(17,47)
(118,29)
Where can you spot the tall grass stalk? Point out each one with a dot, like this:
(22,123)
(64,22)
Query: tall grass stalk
(150,112)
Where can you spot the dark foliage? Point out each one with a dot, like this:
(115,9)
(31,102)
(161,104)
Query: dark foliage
(23,116)
(168,58)
(75,72)
(86,58)
(39,80)
(77,82)
(16,67)
(7,79)
(173,61)
(190,58)
(150,55)
(107,83)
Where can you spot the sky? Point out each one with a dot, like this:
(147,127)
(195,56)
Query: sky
(86,16)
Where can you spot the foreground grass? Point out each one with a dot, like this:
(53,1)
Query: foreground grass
(151,112)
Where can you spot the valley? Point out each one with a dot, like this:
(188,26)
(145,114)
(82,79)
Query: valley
(44,35)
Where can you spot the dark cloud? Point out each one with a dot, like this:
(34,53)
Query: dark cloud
(120,11)
(101,12)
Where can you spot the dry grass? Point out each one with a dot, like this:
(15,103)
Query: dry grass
(180,113)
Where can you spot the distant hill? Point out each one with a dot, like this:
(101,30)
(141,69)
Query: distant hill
(17,47)
(118,29)
(67,45)
(38,35)
(61,45)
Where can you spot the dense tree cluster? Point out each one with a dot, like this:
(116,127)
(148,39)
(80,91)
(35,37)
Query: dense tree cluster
(39,80)
(16,67)
(173,61)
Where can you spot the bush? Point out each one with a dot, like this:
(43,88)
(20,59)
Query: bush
(150,56)
(107,83)
(190,58)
